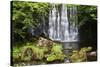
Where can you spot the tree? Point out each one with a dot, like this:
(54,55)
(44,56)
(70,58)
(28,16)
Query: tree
(27,15)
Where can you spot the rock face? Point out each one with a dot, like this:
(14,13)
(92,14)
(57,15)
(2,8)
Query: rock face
(43,42)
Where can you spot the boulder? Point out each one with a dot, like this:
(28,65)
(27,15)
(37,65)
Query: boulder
(43,42)
(92,56)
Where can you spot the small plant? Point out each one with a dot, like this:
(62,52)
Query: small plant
(16,57)
(56,53)
(81,55)
(39,53)
(16,54)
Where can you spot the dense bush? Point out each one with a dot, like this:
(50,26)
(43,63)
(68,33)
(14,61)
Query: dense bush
(81,55)
(36,53)
(27,16)
(31,52)
(28,52)
(56,53)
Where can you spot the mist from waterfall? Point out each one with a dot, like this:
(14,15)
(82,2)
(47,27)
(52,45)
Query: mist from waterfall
(63,23)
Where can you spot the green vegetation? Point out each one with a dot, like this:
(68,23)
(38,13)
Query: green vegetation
(29,52)
(81,55)
(56,53)
(27,15)
(37,54)
(86,13)
(25,49)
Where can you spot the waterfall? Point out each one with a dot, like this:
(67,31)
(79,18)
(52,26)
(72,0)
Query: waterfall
(63,27)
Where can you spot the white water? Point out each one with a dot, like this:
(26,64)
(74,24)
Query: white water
(63,27)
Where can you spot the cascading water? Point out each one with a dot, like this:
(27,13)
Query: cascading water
(64,29)
(63,25)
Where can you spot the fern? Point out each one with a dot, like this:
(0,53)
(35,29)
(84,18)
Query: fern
(56,54)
